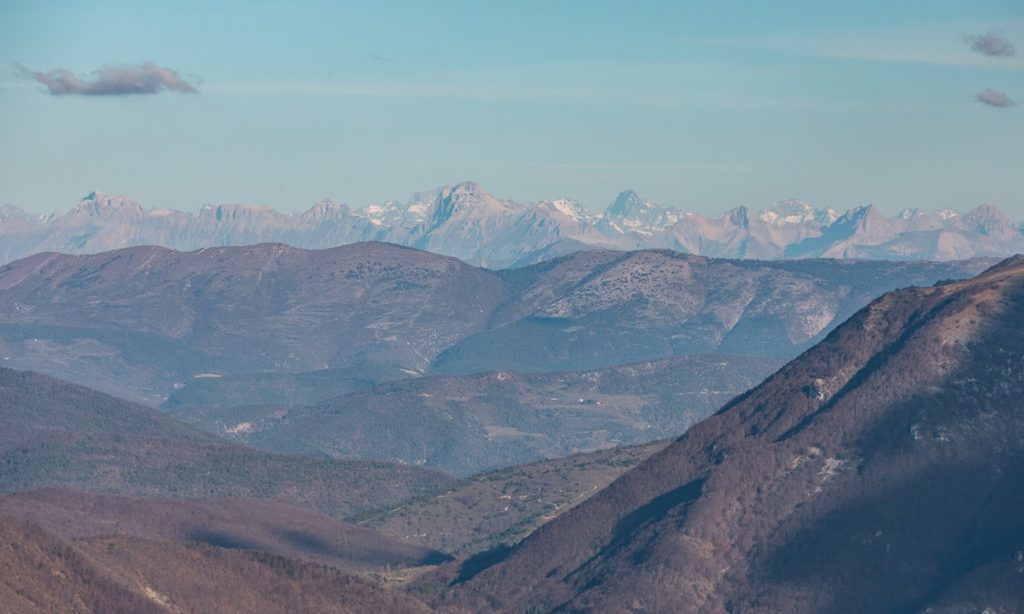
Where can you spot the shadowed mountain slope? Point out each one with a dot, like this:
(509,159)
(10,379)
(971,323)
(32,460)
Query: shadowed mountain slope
(243,524)
(882,470)
(504,506)
(44,572)
(59,434)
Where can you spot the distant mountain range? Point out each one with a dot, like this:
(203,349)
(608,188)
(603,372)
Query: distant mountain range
(146,323)
(302,351)
(467,222)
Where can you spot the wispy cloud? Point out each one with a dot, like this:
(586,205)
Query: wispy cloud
(995,99)
(992,44)
(931,44)
(115,81)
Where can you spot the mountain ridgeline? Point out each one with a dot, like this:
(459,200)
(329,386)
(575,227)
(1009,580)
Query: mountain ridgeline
(881,471)
(146,323)
(466,222)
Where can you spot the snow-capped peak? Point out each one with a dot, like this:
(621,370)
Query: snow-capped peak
(630,213)
(393,213)
(104,205)
(465,221)
(569,208)
(796,212)
(629,204)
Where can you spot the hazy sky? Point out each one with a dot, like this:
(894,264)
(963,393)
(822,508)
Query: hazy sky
(700,105)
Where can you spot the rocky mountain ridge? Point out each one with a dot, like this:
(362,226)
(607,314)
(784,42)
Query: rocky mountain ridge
(467,222)
(145,322)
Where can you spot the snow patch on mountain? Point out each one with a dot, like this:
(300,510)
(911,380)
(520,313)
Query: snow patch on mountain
(465,221)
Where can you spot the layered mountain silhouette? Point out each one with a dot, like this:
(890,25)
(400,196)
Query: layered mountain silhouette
(881,471)
(57,434)
(467,222)
(146,323)
(210,525)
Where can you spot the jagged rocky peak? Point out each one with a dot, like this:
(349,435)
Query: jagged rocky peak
(629,204)
(738,216)
(236,212)
(468,189)
(326,209)
(865,217)
(792,211)
(392,212)
(465,221)
(471,193)
(468,198)
(987,219)
(631,213)
(568,207)
(104,205)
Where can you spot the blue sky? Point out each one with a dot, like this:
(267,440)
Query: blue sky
(700,105)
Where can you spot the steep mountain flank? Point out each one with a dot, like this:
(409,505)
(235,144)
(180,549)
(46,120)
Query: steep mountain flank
(882,470)
(504,506)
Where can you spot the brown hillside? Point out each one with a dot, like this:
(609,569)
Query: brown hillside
(41,572)
(60,434)
(504,506)
(245,524)
(882,470)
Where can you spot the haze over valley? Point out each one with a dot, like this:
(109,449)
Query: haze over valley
(655,307)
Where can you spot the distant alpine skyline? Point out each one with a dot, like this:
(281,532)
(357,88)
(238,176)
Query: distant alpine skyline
(467,222)
(701,105)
